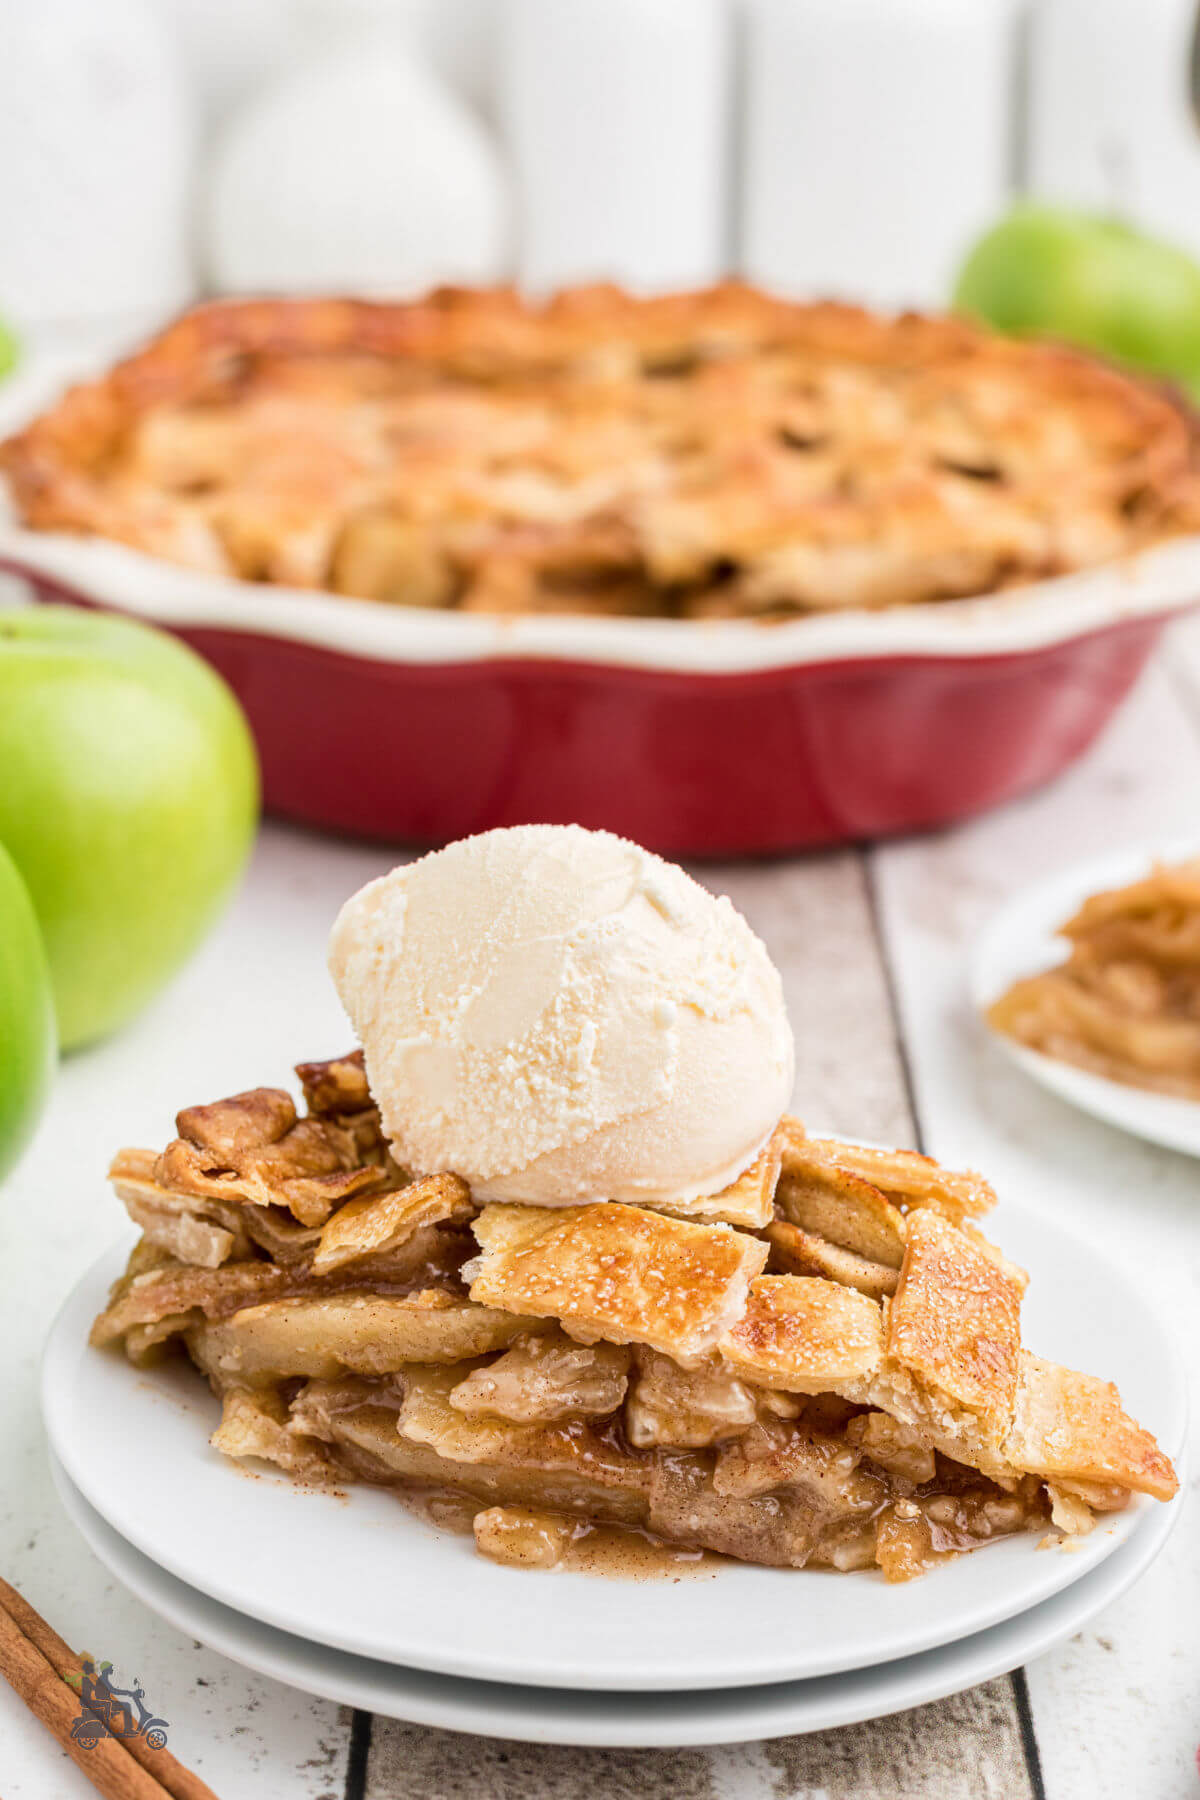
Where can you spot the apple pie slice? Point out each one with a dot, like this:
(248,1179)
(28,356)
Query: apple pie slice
(842,1386)
(1126,1001)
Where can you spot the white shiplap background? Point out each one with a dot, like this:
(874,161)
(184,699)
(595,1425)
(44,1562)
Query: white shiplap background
(849,147)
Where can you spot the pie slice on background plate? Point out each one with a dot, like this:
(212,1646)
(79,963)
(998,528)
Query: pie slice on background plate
(1125,1002)
(1110,1034)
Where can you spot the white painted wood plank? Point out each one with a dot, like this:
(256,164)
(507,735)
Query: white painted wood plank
(967,1747)
(1115,1710)
(255,1000)
(815,918)
(1181,655)
(964,1748)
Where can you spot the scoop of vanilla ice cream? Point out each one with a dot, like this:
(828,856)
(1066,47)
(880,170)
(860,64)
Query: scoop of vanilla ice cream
(559,1016)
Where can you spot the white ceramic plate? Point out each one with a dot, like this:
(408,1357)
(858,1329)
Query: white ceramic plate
(377,1582)
(1022,940)
(615,1720)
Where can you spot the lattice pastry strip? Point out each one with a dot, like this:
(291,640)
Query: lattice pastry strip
(616,1272)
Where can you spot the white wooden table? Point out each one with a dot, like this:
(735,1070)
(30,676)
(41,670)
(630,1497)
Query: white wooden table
(872,945)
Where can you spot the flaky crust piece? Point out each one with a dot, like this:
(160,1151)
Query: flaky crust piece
(720,453)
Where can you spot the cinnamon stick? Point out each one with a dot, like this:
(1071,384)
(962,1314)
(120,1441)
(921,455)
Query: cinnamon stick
(34,1659)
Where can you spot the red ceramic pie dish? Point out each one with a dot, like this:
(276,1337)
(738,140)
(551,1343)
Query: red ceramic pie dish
(700,739)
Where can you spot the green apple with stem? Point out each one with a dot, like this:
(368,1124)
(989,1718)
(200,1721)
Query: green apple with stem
(27,1041)
(128,801)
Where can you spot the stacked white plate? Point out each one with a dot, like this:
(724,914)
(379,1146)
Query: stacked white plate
(354,1598)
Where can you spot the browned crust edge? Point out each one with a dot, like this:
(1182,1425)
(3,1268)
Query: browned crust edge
(48,464)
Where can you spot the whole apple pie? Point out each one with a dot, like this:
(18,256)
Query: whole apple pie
(717,454)
(819,1366)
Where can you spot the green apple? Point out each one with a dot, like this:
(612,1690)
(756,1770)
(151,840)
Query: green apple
(9,350)
(27,1045)
(128,801)
(1093,282)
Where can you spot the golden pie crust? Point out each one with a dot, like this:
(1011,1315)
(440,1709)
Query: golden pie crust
(559,1370)
(713,454)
